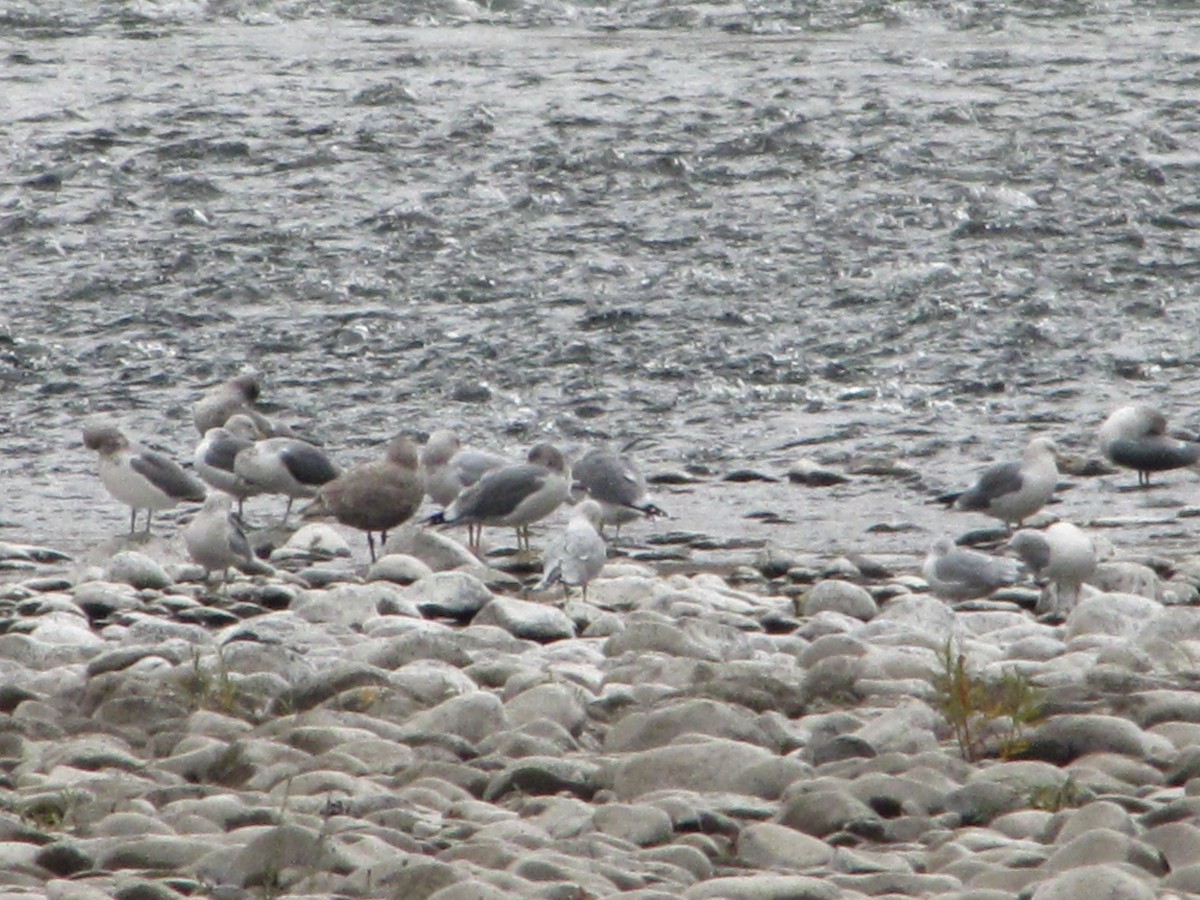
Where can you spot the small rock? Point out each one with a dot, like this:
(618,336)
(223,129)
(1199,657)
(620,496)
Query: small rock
(841,597)
(319,541)
(399,568)
(138,570)
(454,595)
(525,619)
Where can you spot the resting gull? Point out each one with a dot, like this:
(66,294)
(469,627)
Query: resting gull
(1012,492)
(958,573)
(284,465)
(577,554)
(216,453)
(377,495)
(450,467)
(215,540)
(138,476)
(516,495)
(1063,556)
(617,484)
(1135,437)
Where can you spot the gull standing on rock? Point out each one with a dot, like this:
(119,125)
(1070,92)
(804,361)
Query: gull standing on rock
(958,573)
(215,455)
(377,495)
(1135,437)
(215,540)
(617,484)
(1012,492)
(516,495)
(1062,555)
(138,476)
(578,554)
(284,465)
(450,468)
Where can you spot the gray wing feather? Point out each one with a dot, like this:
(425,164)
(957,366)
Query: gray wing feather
(499,492)
(1000,479)
(167,475)
(611,478)
(307,464)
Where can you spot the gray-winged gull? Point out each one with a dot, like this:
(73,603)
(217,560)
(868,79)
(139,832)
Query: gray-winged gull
(1012,492)
(215,540)
(577,554)
(959,573)
(284,465)
(378,495)
(1063,556)
(516,495)
(229,398)
(216,452)
(450,468)
(617,484)
(138,476)
(1135,437)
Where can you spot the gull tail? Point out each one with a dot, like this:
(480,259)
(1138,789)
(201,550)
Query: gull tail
(550,577)
(437,518)
(651,511)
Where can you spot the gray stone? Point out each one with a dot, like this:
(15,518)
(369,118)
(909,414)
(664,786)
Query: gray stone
(1127,578)
(158,852)
(138,570)
(637,823)
(557,702)
(471,717)
(659,727)
(436,550)
(525,619)
(1120,615)
(318,540)
(453,595)
(765,845)
(546,775)
(1063,738)
(841,597)
(398,568)
(763,887)
(1100,882)
(661,637)
(706,766)
(822,811)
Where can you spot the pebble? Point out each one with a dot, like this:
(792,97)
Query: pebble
(430,732)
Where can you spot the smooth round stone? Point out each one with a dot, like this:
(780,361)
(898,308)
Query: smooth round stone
(64,858)
(833,595)
(922,620)
(706,766)
(556,702)
(822,811)
(100,599)
(1127,578)
(165,852)
(1103,845)
(349,605)
(831,645)
(765,845)
(65,629)
(659,727)
(398,568)
(1120,615)
(1178,842)
(454,595)
(429,641)
(525,619)
(657,637)
(637,823)
(1063,738)
(318,540)
(471,717)
(764,887)
(1095,881)
(137,570)
(438,551)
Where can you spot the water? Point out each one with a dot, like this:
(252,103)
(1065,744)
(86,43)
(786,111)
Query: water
(913,232)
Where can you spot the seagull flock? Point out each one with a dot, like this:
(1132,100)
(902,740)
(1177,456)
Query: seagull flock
(242,454)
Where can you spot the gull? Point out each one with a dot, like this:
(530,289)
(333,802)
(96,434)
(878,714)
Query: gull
(577,554)
(516,495)
(958,573)
(1012,492)
(138,476)
(229,398)
(1135,437)
(1063,556)
(451,467)
(215,455)
(377,495)
(216,541)
(284,465)
(617,484)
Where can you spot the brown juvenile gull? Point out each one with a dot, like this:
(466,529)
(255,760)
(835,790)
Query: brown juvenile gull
(958,573)
(1063,556)
(284,465)
(615,482)
(1135,437)
(229,398)
(450,468)
(138,476)
(215,540)
(577,554)
(516,495)
(216,453)
(377,495)
(1012,492)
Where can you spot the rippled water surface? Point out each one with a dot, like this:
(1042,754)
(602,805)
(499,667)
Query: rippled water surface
(901,233)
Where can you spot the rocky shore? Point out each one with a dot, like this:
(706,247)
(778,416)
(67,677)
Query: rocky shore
(429,729)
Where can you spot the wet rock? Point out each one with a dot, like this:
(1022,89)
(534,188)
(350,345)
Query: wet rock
(452,595)
(137,570)
(841,597)
(525,619)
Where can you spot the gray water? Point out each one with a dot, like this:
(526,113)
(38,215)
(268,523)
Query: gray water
(915,233)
